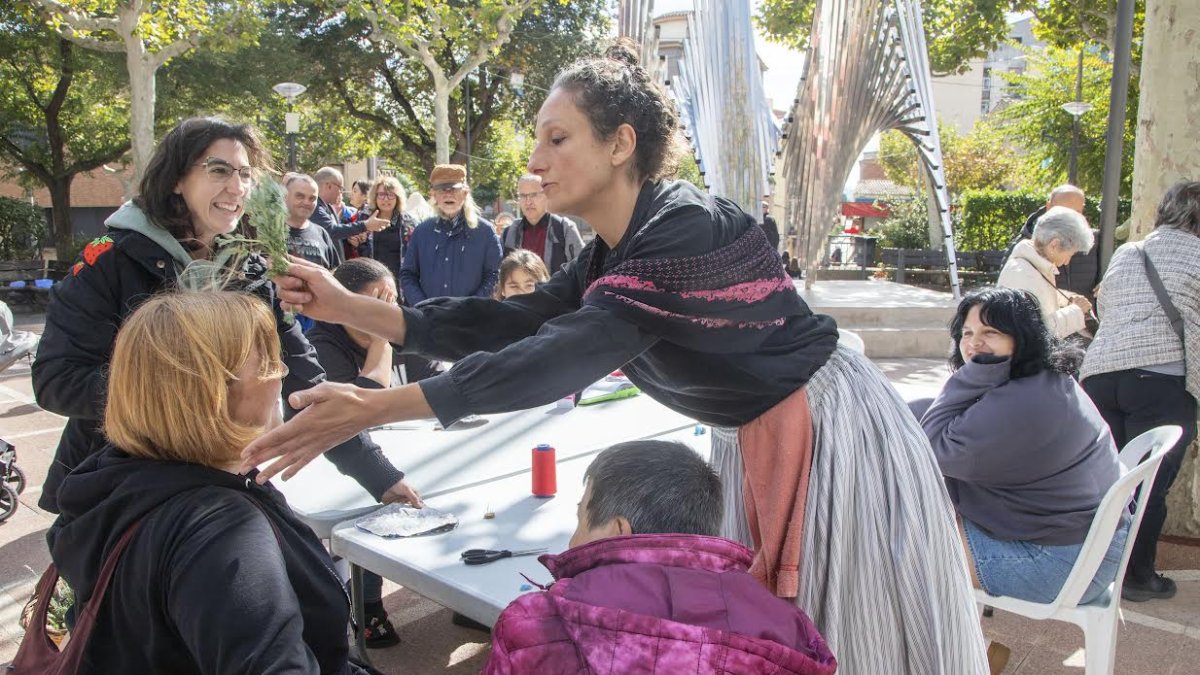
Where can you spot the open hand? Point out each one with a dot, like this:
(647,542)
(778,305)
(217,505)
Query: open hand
(374,224)
(331,413)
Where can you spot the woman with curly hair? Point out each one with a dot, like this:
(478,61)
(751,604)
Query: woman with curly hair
(827,475)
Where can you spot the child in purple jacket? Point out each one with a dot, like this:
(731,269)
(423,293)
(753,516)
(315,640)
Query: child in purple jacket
(646,587)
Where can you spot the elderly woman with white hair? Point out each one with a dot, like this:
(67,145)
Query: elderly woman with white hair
(1059,234)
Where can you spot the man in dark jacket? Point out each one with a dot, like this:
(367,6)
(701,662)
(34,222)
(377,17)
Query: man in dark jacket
(331,214)
(553,238)
(455,253)
(1082,273)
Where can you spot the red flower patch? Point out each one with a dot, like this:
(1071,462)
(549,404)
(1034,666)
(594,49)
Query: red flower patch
(98,246)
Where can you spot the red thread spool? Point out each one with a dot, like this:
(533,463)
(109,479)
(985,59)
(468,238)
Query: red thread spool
(545,479)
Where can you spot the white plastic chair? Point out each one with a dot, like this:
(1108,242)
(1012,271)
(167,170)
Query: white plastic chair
(1099,619)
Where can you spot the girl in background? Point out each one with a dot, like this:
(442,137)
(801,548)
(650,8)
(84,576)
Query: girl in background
(520,273)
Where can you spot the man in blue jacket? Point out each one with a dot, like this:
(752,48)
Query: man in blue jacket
(455,253)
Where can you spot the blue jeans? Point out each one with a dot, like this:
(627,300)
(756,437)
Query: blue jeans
(1036,572)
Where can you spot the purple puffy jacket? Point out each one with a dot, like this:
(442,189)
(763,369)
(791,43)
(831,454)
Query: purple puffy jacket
(655,603)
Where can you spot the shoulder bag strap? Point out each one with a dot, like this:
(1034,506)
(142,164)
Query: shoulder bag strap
(37,653)
(1160,290)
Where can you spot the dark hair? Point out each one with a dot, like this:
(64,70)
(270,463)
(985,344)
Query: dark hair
(1016,313)
(520,259)
(660,487)
(613,90)
(1180,208)
(357,273)
(363,186)
(175,155)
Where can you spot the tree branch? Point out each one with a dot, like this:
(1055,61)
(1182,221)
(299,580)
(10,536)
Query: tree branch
(76,21)
(112,155)
(504,29)
(177,48)
(405,139)
(67,75)
(14,152)
(394,86)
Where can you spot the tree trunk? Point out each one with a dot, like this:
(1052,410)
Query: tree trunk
(1167,147)
(441,119)
(141,106)
(1167,150)
(60,214)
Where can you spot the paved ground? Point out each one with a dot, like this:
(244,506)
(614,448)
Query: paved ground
(1160,637)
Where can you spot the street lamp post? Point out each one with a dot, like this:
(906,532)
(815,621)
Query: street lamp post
(1076,109)
(290,90)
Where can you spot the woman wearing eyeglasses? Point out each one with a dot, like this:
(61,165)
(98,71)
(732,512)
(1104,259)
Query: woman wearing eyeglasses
(385,206)
(191,198)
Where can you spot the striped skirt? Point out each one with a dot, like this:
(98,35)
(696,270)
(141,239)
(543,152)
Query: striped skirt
(882,574)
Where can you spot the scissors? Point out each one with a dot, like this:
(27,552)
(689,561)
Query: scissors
(483,556)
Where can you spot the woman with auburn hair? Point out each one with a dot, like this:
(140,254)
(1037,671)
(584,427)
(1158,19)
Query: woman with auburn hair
(219,576)
(189,205)
(385,210)
(828,475)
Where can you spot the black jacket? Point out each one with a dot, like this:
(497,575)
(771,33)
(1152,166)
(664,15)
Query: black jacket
(540,347)
(342,358)
(1080,275)
(70,373)
(325,216)
(205,585)
(389,244)
(772,231)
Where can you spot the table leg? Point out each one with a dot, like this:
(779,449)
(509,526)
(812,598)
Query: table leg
(360,613)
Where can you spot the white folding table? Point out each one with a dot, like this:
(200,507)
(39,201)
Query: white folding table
(436,462)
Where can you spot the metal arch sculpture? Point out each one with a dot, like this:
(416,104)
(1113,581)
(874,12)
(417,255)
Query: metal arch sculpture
(719,90)
(866,71)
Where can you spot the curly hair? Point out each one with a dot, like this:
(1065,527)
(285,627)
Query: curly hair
(613,90)
(1016,313)
(175,155)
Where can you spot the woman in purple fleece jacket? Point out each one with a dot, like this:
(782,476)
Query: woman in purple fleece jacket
(1026,455)
(647,587)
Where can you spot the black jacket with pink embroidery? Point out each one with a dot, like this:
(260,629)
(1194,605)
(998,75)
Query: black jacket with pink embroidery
(692,304)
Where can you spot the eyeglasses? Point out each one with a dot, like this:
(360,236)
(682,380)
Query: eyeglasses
(445,190)
(529,195)
(220,171)
(382,195)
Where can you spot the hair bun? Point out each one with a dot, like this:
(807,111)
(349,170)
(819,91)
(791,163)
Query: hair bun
(624,50)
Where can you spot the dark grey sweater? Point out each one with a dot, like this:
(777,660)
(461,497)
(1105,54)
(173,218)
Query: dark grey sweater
(1026,459)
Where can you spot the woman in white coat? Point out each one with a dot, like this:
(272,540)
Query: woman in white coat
(1033,266)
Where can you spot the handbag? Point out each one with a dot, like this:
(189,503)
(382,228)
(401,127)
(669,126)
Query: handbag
(37,654)
(1091,323)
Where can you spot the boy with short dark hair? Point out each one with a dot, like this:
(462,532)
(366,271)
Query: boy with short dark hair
(647,587)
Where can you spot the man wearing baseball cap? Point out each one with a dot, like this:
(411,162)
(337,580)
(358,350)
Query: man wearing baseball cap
(456,252)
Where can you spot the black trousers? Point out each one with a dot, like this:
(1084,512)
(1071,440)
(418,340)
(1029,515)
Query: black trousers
(1133,402)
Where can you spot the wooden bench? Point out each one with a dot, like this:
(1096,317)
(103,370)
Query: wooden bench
(25,274)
